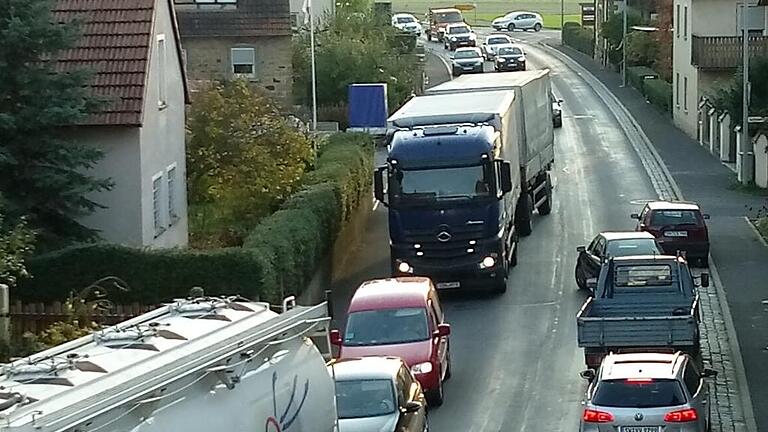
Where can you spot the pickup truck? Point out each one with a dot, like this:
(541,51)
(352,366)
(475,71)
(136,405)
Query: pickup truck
(641,304)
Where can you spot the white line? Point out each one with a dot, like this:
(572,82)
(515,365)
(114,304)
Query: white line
(605,94)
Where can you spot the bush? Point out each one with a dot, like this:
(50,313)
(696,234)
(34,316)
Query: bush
(279,255)
(642,48)
(579,38)
(636,76)
(659,93)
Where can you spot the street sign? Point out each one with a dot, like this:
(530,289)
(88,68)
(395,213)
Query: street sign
(464,7)
(587,14)
(757,119)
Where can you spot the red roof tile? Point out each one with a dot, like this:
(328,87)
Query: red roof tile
(249,18)
(115,46)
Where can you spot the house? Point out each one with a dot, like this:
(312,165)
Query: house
(251,39)
(132,48)
(320,10)
(707,51)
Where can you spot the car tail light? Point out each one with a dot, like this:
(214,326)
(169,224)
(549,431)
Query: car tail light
(639,381)
(594,416)
(681,416)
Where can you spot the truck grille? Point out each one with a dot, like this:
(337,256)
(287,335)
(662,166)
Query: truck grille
(444,242)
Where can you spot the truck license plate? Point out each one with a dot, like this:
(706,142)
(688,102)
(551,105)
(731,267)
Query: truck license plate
(675,233)
(442,285)
(640,429)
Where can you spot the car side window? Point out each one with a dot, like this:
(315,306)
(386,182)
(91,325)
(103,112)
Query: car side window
(592,246)
(692,379)
(600,249)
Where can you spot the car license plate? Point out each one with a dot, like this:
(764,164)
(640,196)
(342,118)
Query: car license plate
(640,429)
(468,67)
(442,285)
(675,233)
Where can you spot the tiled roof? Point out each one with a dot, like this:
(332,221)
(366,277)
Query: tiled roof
(249,18)
(115,45)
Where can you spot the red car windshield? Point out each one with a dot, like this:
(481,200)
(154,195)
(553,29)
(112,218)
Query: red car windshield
(661,218)
(386,327)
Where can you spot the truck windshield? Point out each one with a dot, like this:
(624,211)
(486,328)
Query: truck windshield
(448,17)
(638,393)
(643,275)
(442,184)
(386,327)
(364,398)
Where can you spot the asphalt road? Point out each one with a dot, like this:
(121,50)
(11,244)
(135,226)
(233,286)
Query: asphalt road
(515,359)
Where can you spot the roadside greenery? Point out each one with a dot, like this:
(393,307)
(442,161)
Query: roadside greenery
(762,226)
(728,95)
(16,245)
(44,175)
(243,160)
(279,256)
(579,38)
(352,48)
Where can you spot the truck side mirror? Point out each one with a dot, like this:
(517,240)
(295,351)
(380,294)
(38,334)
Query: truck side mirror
(588,374)
(634,216)
(704,280)
(505,175)
(592,283)
(708,373)
(335,337)
(378,184)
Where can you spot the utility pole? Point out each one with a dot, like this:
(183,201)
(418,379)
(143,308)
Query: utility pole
(314,73)
(747,161)
(562,17)
(624,46)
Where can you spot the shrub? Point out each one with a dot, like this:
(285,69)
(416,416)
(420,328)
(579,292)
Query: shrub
(659,93)
(642,48)
(579,38)
(280,254)
(636,76)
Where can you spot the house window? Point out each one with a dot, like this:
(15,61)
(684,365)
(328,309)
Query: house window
(157,215)
(677,90)
(677,23)
(685,94)
(171,183)
(161,71)
(685,23)
(243,61)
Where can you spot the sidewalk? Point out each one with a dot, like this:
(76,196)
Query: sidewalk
(741,258)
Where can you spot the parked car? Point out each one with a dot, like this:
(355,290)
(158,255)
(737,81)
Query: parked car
(647,392)
(557,110)
(509,58)
(519,20)
(378,394)
(400,317)
(438,19)
(459,35)
(467,60)
(678,226)
(612,244)
(407,23)
(491,43)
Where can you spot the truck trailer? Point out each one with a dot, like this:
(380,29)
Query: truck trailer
(536,140)
(197,365)
(451,190)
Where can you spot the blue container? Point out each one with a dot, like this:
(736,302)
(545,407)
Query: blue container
(368,106)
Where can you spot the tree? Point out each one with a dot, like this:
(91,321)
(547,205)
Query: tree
(642,48)
(44,175)
(243,160)
(612,32)
(728,96)
(664,36)
(16,244)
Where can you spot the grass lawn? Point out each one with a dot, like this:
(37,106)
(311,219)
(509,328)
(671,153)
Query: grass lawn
(488,10)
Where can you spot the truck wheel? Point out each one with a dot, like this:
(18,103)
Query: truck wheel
(546,206)
(581,281)
(448,366)
(435,397)
(429,37)
(524,215)
(500,285)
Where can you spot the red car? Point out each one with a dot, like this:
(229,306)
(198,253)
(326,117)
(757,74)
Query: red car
(677,226)
(400,317)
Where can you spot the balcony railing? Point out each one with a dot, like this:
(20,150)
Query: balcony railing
(724,52)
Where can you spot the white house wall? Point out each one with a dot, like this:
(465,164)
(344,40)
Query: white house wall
(320,10)
(162,141)
(120,221)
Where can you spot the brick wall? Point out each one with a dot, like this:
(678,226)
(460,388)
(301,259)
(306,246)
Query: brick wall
(209,59)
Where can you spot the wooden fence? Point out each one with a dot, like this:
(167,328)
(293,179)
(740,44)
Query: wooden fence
(36,317)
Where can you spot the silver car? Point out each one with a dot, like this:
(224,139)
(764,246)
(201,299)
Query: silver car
(492,42)
(467,60)
(647,392)
(518,20)
(378,394)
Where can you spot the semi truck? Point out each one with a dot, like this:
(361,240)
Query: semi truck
(455,184)
(199,364)
(535,135)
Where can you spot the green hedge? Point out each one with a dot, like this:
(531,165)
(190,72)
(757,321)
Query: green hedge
(579,38)
(659,93)
(636,76)
(281,253)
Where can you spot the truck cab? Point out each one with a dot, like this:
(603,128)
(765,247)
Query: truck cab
(450,207)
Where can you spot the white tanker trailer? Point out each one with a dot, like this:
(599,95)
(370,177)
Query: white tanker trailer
(203,364)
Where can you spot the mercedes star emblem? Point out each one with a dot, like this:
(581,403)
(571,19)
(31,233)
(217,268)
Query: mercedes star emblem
(444,236)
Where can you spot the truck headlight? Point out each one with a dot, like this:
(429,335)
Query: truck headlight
(453,38)
(404,267)
(502,60)
(488,262)
(422,368)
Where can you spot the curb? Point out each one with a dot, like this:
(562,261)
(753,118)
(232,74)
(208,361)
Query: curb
(431,51)
(633,129)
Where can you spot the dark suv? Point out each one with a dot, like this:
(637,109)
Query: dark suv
(677,226)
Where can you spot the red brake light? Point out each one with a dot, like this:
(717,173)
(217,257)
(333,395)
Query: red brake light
(594,416)
(639,380)
(682,416)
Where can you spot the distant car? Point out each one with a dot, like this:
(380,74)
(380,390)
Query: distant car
(509,58)
(458,35)
(466,60)
(400,317)
(612,244)
(678,226)
(557,110)
(407,23)
(519,20)
(491,43)
(438,19)
(647,392)
(378,394)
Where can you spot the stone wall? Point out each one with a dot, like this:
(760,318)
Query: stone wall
(209,59)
